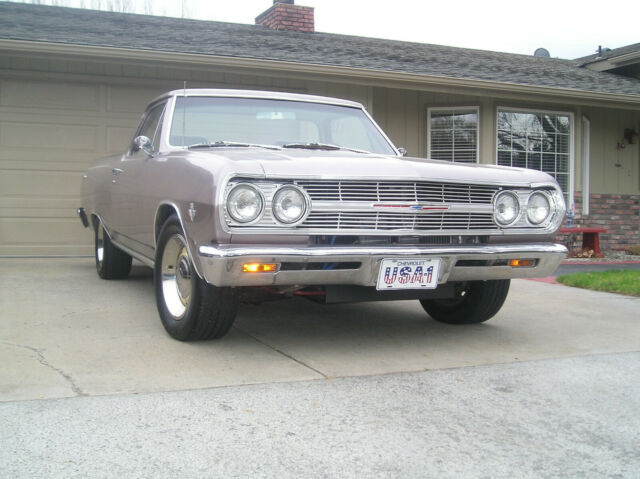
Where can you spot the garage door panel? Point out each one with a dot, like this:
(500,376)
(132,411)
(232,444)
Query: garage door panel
(30,207)
(50,132)
(39,183)
(50,94)
(26,235)
(26,161)
(49,136)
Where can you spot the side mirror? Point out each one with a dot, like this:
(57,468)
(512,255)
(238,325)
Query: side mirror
(143,143)
(402,151)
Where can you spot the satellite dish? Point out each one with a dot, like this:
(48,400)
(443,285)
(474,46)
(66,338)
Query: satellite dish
(541,52)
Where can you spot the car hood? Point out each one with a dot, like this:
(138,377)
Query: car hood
(350,165)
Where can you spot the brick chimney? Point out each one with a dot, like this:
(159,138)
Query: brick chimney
(284,15)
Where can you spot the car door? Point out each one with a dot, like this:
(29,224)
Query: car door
(129,204)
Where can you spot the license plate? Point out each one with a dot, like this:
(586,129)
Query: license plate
(408,274)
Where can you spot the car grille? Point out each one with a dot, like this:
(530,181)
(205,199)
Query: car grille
(398,221)
(362,207)
(420,191)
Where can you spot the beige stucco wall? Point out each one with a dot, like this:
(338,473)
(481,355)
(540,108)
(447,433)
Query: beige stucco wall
(59,113)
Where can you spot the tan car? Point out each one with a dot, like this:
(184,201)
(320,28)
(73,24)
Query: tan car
(235,196)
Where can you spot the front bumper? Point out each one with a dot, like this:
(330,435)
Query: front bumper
(222,265)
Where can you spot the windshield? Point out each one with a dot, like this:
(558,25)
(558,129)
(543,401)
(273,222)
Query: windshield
(250,121)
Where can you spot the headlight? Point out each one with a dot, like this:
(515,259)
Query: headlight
(244,203)
(538,208)
(289,205)
(506,208)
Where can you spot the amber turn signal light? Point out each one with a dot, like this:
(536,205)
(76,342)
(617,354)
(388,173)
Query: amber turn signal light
(259,268)
(521,263)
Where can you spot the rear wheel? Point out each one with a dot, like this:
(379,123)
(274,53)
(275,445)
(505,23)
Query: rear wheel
(111,261)
(475,302)
(189,307)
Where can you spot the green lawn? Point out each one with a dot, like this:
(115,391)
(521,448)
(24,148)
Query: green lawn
(614,281)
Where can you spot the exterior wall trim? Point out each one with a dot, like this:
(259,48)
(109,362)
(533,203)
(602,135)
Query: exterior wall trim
(613,99)
(586,164)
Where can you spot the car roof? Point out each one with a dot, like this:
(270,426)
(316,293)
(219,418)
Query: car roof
(269,95)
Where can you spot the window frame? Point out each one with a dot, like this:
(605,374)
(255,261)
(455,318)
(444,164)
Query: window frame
(143,121)
(572,134)
(476,108)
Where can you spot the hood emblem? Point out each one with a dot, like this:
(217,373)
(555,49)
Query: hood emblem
(416,208)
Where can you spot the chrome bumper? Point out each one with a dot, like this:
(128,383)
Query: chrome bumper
(222,265)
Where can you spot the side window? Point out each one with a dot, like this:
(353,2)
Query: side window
(151,125)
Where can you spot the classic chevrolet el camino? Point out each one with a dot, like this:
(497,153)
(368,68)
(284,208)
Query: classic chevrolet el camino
(245,196)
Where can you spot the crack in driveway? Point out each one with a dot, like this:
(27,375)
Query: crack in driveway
(42,360)
(279,351)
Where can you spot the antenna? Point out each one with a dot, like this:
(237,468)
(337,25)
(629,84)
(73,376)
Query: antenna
(184,111)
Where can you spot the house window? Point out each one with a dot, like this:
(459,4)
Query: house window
(453,134)
(536,140)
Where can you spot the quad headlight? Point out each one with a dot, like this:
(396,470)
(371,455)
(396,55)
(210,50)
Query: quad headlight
(506,208)
(245,203)
(538,208)
(289,205)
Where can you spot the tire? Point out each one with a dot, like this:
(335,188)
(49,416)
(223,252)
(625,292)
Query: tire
(111,261)
(476,302)
(189,307)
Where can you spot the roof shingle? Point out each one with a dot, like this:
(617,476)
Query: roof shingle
(141,32)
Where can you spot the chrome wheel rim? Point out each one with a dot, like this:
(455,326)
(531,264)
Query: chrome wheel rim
(176,276)
(100,245)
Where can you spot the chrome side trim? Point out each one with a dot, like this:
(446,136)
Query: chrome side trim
(143,259)
(126,249)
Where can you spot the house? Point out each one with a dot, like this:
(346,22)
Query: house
(74,82)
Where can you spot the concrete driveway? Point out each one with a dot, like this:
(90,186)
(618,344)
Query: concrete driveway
(64,332)
(549,388)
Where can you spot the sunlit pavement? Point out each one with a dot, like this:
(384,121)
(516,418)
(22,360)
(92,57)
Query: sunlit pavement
(547,388)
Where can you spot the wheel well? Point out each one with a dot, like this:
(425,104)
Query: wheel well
(161,216)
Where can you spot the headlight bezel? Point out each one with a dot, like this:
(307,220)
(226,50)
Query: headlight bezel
(259,195)
(518,202)
(550,204)
(306,204)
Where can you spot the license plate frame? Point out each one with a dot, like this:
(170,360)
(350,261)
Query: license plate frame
(394,270)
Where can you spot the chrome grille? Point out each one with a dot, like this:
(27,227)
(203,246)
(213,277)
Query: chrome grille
(398,221)
(420,191)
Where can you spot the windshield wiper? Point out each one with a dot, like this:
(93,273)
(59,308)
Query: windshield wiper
(320,146)
(219,144)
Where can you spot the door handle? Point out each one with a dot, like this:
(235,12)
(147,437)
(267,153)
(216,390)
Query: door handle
(116,171)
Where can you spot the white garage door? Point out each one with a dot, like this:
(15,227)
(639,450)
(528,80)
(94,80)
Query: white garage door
(51,129)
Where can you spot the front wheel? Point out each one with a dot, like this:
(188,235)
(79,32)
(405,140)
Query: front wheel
(475,302)
(189,307)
